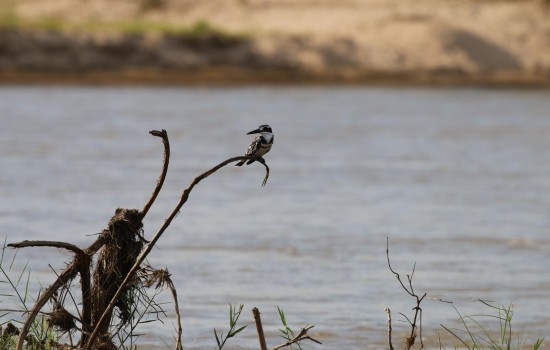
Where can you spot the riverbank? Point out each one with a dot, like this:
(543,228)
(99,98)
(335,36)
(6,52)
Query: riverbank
(466,42)
(228,76)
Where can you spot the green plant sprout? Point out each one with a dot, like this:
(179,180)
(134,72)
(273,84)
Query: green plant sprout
(234,315)
(286,332)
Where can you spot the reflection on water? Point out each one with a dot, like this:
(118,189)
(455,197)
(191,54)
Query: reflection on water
(457,178)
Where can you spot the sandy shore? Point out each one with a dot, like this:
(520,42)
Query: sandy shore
(287,41)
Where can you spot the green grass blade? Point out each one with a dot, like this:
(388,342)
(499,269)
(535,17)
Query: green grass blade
(538,343)
(217,339)
(282,316)
(235,332)
(456,336)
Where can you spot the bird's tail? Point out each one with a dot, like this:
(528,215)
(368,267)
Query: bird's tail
(241,163)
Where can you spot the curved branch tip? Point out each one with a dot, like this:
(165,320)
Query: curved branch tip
(157,133)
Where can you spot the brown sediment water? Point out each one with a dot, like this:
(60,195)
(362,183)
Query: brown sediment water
(456,177)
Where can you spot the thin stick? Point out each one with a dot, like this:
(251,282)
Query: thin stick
(395,273)
(420,329)
(149,247)
(418,310)
(54,244)
(165,162)
(388,311)
(67,275)
(261,160)
(301,336)
(259,328)
(179,345)
(82,261)
(86,315)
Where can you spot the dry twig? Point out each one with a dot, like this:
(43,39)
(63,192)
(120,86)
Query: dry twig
(301,336)
(388,312)
(167,222)
(179,345)
(409,341)
(65,277)
(164,135)
(259,328)
(162,277)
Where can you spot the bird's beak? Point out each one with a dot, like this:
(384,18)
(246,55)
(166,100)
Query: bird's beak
(257,131)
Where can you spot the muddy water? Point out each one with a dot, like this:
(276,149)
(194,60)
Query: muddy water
(457,178)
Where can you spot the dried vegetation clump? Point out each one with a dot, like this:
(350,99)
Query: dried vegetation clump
(123,242)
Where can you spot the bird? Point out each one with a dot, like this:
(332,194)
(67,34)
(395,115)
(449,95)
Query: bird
(261,144)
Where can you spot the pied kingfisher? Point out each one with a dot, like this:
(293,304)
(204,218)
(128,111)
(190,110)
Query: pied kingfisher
(261,144)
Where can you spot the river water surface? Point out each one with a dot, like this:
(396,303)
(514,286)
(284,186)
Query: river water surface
(458,179)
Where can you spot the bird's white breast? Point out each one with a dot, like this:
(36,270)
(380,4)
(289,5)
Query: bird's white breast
(267,136)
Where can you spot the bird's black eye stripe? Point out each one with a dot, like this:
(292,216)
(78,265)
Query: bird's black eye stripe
(265,127)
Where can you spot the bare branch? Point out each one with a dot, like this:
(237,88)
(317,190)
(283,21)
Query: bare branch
(410,278)
(85,281)
(172,288)
(406,318)
(261,160)
(150,245)
(259,328)
(86,306)
(162,277)
(82,263)
(164,135)
(395,273)
(67,275)
(54,244)
(420,328)
(409,342)
(441,300)
(301,336)
(388,311)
